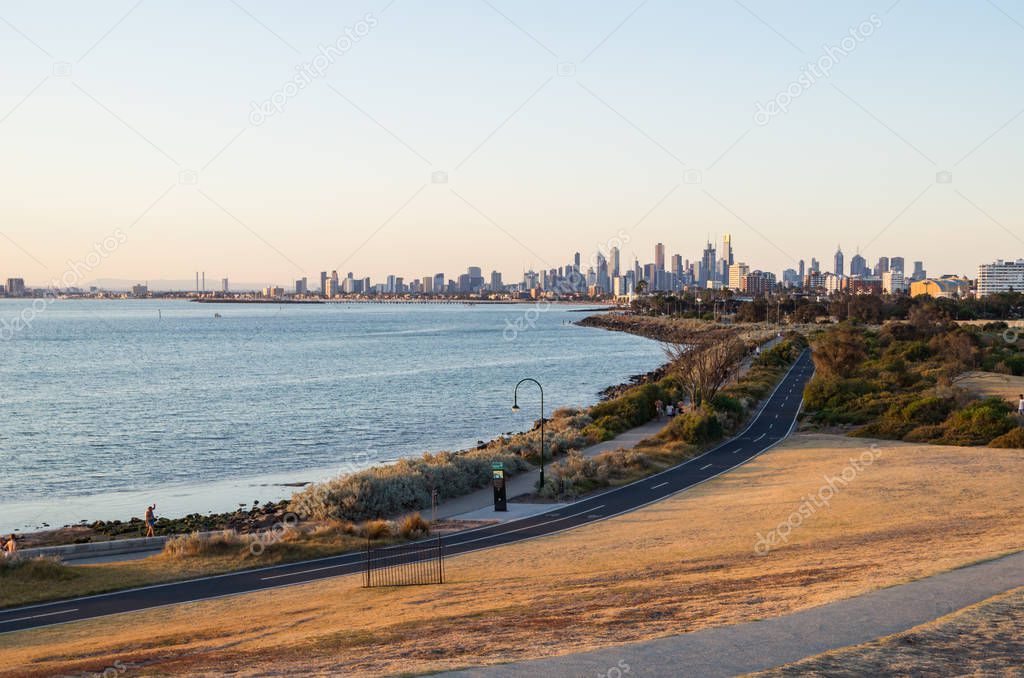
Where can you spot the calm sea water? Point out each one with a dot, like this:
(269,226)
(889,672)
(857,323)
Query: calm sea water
(107,405)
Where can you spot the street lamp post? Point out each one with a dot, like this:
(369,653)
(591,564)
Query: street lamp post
(515,408)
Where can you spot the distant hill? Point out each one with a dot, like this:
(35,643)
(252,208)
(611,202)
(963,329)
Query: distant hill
(212,284)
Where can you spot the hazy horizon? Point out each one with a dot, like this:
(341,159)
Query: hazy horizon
(558,128)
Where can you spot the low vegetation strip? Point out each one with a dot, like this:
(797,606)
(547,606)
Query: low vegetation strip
(900,382)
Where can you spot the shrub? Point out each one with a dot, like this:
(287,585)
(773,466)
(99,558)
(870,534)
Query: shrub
(696,428)
(375,529)
(1013,438)
(930,410)
(925,434)
(38,568)
(413,526)
(727,404)
(195,544)
(978,423)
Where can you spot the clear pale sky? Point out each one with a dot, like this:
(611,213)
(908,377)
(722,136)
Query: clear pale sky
(650,131)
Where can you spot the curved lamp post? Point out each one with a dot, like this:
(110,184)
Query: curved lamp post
(515,408)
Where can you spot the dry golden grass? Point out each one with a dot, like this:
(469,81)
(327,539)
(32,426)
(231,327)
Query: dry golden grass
(992,385)
(981,640)
(677,566)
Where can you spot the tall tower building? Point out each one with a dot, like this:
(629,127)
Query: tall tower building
(707,265)
(615,263)
(727,249)
(839,268)
(802,271)
(659,257)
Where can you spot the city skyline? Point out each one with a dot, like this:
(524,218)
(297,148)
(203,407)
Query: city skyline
(570,136)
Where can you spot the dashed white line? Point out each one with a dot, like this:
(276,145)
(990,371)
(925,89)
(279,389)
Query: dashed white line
(704,467)
(760,437)
(37,616)
(661,485)
(739,450)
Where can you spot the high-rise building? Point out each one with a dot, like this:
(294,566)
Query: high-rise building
(815,266)
(659,256)
(896,265)
(858,265)
(1001,276)
(427,285)
(331,290)
(439,286)
(893,282)
(15,287)
(323,282)
(225,286)
(919,272)
(616,271)
(496,284)
(727,250)
(801,271)
(707,266)
(300,286)
(882,266)
(737,272)
(838,270)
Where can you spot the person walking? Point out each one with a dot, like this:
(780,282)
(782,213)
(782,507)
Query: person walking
(11,547)
(659,408)
(150,520)
(1020,405)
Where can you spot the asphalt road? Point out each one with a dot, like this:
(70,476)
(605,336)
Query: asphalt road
(770,426)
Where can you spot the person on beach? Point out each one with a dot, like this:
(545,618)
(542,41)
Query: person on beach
(150,520)
(1020,405)
(10,548)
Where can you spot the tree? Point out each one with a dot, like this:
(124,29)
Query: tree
(839,351)
(705,361)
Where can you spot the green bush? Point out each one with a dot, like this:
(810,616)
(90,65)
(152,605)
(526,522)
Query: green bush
(696,428)
(930,410)
(978,423)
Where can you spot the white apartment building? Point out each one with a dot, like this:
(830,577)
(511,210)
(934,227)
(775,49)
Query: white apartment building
(1001,276)
(893,282)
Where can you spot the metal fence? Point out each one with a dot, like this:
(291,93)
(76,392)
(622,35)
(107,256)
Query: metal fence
(404,564)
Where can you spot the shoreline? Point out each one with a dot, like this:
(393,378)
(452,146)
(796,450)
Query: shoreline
(249,514)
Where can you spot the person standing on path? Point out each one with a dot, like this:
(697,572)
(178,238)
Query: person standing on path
(150,520)
(1020,405)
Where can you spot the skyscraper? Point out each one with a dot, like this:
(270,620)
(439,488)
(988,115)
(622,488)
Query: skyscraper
(727,250)
(615,269)
(858,265)
(896,265)
(707,265)
(883,266)
(323,282)
(659,257)
(839,268)
(815,266)
(802,271)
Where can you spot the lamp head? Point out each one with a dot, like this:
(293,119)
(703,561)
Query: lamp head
(515,407)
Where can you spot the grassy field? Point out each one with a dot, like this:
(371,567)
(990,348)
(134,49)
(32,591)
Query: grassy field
(981,640)
(680,565)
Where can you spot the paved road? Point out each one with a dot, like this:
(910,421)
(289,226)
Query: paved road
(770,426)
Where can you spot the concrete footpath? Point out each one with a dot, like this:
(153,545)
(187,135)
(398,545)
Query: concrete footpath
(756,646)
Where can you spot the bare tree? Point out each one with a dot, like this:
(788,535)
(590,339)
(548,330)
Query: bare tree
(705,361)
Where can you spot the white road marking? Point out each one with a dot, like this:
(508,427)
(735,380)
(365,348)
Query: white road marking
(760,437)
(37,616)
(661,485)
(704,467)
(739,450)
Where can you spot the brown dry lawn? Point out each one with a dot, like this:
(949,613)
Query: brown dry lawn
(683,564)
(981,640)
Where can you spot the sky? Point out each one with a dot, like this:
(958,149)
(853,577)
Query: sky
(148,140)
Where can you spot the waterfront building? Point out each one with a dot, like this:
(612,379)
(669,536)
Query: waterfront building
(946,287)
